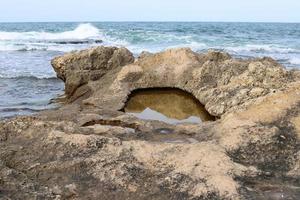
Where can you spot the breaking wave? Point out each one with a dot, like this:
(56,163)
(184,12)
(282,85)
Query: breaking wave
(83,31)
(138,39)
(295,61)
(82,36)
(262,49)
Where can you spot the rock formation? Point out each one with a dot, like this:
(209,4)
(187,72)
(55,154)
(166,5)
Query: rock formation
(90,149)
(78,69)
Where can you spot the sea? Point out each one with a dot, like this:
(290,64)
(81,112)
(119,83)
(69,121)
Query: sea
(28,82)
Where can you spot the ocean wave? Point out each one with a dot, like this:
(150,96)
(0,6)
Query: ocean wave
(30,77)
(83,36)
(136,40)
(196,46)
(88,35)
(46,47)
(83,31)
(294,61)
(19,109)
(262,49)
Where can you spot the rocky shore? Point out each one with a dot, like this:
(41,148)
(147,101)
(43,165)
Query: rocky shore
(90,149)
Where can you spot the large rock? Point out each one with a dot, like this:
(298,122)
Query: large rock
(77,69)
(218,81)
(90,150)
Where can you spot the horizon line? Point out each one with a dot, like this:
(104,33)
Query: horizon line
(149,21)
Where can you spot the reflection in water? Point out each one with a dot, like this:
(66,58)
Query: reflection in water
(168,105)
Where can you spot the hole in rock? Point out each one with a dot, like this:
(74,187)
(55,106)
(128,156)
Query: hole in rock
(168,105)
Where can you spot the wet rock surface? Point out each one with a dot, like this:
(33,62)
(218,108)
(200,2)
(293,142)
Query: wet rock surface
(90,149)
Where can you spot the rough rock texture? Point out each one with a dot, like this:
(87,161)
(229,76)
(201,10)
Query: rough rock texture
(89,149)
(89,65)
(220,83)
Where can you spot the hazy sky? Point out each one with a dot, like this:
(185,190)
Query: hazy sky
(150,10)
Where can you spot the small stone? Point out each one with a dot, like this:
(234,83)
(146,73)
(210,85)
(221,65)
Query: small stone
(256,92)
(72,189)
(56,190)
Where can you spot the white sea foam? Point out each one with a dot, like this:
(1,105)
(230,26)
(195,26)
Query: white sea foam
(47,41)
(83,31)
(294,61)
(193,45)
(30,75)
(15,73)
(262,48)
(136,41)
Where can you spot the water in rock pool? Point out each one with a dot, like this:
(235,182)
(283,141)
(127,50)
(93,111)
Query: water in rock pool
(172,106)
(28,82)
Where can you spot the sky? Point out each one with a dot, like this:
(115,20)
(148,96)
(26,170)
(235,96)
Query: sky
(150,10)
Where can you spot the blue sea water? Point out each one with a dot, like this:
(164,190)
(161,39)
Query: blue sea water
(28,82)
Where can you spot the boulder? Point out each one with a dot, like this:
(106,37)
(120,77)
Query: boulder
(78,68)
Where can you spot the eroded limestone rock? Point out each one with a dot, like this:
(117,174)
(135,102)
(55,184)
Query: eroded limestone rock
(77,69)
(89,149)
(220,82)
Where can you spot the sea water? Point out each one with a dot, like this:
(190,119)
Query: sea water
(28,82)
